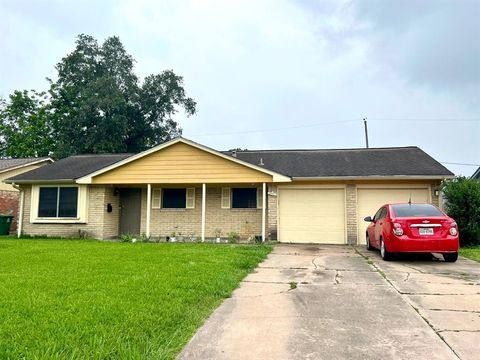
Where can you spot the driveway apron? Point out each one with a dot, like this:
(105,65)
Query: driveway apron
(338,302)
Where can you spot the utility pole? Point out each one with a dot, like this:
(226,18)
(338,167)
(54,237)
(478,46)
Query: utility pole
(366,131)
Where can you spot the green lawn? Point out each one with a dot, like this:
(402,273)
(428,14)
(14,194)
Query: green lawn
(78,299)
(471,252)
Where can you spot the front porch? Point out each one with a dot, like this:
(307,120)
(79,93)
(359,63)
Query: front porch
(200,211)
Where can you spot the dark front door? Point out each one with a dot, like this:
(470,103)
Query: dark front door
(130,207)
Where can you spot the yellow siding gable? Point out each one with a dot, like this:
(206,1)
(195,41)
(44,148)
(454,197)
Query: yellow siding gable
(181,163)
(14,172)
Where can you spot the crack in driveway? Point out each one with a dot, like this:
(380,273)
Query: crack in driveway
(406,298)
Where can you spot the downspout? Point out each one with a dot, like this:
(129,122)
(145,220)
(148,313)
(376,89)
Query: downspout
(20,210)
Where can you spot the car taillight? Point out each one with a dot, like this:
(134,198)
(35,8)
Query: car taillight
(453,229)
(397,229)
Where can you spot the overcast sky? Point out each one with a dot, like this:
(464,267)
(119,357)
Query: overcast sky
(282,74)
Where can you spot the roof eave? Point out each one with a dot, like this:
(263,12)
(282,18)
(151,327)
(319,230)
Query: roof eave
(374,177)
(53,181)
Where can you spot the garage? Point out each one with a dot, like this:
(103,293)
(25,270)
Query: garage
(369,201)
(311,215)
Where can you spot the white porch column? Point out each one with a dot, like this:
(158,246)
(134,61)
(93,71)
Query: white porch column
(149,209)
(264,210)
(204,200)
(20,214)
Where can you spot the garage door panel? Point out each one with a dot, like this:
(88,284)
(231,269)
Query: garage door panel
(312,215)
(370,200)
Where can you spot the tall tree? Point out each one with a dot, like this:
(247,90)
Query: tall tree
(97,104)
(25,130)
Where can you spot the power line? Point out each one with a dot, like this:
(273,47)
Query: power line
(455,163)
(331,123)
(423,119)
(277,129)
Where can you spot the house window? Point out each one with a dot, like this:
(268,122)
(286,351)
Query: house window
(244,198)
(174,198)
(58,202)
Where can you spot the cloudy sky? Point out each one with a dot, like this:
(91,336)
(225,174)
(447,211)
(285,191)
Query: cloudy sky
(282,74)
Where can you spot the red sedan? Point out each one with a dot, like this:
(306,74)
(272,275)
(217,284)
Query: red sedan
(416,228)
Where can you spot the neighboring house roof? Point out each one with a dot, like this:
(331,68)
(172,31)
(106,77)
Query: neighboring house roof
(70,168)
(396,161)
(282,164)
(11,164)
(476,174)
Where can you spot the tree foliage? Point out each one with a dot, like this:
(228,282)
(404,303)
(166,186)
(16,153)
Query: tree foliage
(462,203)
(24,128)
(97,104)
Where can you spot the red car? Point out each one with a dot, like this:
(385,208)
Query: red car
(416,228)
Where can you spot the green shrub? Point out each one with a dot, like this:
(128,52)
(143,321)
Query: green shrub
(233,237)
(144,238)
(126,237)
(462,202)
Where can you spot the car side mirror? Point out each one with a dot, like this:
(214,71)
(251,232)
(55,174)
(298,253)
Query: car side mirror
(368,219)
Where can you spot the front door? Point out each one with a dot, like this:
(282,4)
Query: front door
(130,208)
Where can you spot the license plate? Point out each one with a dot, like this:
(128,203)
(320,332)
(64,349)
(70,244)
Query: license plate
(426,231)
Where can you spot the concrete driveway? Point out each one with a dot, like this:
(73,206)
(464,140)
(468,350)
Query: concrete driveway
(337,302)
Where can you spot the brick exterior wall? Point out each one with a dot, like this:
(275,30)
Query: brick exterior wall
(351,213)
(435,198)
(245,222)
(111,221)
(272,212)
(9,202)
(100,224)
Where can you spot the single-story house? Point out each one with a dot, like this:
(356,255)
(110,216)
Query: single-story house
(9,195)
(182,187)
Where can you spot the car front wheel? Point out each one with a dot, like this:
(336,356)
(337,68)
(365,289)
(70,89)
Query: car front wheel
(383,251)
(451,257)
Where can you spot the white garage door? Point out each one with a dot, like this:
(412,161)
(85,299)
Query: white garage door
(370,200)
(311,216)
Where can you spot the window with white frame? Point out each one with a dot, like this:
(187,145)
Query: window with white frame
(173,198)
(241,198)
(58,202)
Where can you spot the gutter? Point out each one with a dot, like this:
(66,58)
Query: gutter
(394,177)
(55,181)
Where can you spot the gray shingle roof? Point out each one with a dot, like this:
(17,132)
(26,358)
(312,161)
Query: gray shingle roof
(395,161)
(71,168)
(6,164)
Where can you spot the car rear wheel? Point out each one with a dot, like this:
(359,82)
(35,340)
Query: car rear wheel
(383,251)
(451,257)
(369,246)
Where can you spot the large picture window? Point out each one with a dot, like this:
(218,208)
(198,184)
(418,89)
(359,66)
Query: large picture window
(58,202)
(244,198)
(174,198)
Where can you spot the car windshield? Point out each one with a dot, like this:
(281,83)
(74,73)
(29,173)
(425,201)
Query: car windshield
(415,210)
